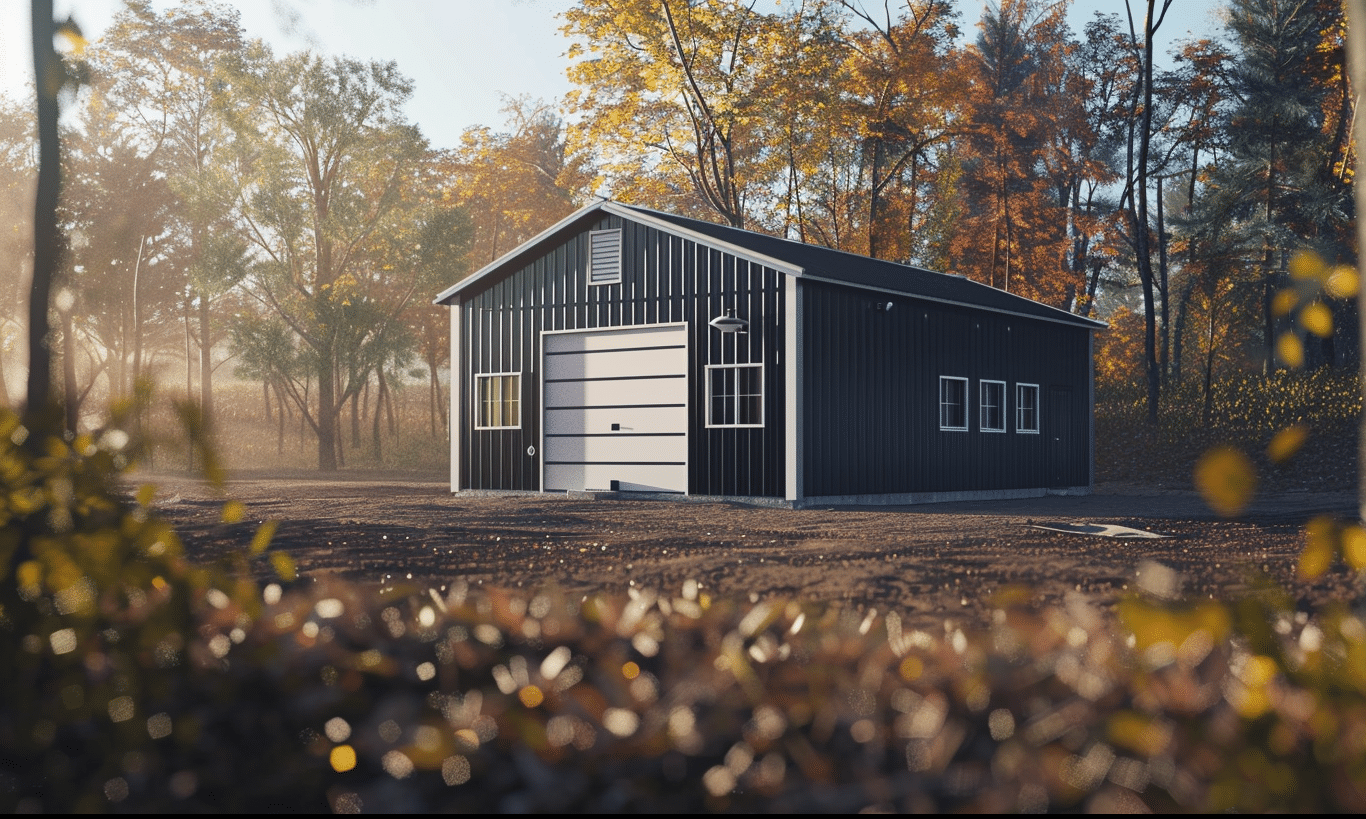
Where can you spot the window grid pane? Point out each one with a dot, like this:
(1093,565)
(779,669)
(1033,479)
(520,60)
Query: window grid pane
(953,410)
(1026,408)
(992,417)
(499,401)
(736,398)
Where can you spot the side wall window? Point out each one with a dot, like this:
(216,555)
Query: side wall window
(735,395)
(953,403)
(1027,408)
(498,401)
(992,406)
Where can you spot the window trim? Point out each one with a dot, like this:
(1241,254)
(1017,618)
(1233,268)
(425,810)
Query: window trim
(593,240)
(1019,409)
(711,424)
(479,404)
(943,427)
(982,405)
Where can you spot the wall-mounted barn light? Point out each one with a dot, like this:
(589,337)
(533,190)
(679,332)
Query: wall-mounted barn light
(729,323)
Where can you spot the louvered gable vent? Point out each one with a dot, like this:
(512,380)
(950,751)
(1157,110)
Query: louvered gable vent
(604,257)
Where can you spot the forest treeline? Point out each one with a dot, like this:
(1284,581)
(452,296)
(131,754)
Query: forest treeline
(278,216)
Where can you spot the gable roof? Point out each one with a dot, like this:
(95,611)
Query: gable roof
(793,258)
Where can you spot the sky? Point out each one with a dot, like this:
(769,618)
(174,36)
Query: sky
(465,57)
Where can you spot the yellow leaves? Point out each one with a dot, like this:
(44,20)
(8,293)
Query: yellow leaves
(1226,479)
(1283,302)
(1139,733)
(1343,282)
(1306,265)
(1290,350)
(262,538)
(1286,443)
(233,512)
(1311,278)
(342,758)
(1317,319)
(1251,699)
(1320,537)
(1325,540)
(531,696)
(1354,547)
(284,566)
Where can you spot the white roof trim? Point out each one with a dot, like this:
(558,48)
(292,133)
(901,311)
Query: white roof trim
(644,217)
(496,263)
(625,213)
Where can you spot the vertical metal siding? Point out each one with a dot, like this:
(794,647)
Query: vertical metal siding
(872,395)
(664,279)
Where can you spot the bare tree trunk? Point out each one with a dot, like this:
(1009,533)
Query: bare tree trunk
(1356,57)
(205,363)
(375,421)
(71,403)
(1165,361)
(355,420)
(46,238)
(327,408)
(280,412)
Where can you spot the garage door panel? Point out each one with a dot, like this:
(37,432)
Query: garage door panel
(615,339)
(630,477)
(671,448)
(633,378)
(672,389)
(640,420)
(629,363)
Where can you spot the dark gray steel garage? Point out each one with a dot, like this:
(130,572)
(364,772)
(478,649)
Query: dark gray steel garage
(629,349)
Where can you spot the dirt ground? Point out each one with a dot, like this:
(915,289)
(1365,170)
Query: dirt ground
(930,562)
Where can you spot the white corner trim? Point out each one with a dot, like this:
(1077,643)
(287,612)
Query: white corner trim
(455,407)
(793,453)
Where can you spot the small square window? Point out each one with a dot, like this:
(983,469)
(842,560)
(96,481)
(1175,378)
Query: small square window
(953,403)
(735,395)
(604,257)
(992,406)
(498,401)
(1027,408)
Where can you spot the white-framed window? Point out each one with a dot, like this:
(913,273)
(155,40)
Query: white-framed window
(498,401)
(604,256)
(953,403)
(735,395)
(1027,408)
(991,406)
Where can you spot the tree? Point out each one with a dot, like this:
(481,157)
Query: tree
(159,74)
(515,182)
(1278,156)
(904,99)
(667,94)
(116,208)
(18,168)
(1013,234)
(1141,128)
(330,157)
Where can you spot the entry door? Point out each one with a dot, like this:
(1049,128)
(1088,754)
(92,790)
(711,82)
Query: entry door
(616,409)
(1062,450)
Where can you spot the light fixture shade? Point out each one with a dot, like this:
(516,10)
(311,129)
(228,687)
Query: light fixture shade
(729,324)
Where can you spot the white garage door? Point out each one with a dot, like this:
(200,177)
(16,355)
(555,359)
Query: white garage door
(616,409)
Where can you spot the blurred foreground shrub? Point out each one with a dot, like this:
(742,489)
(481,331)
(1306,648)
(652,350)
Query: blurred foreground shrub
(133,681)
